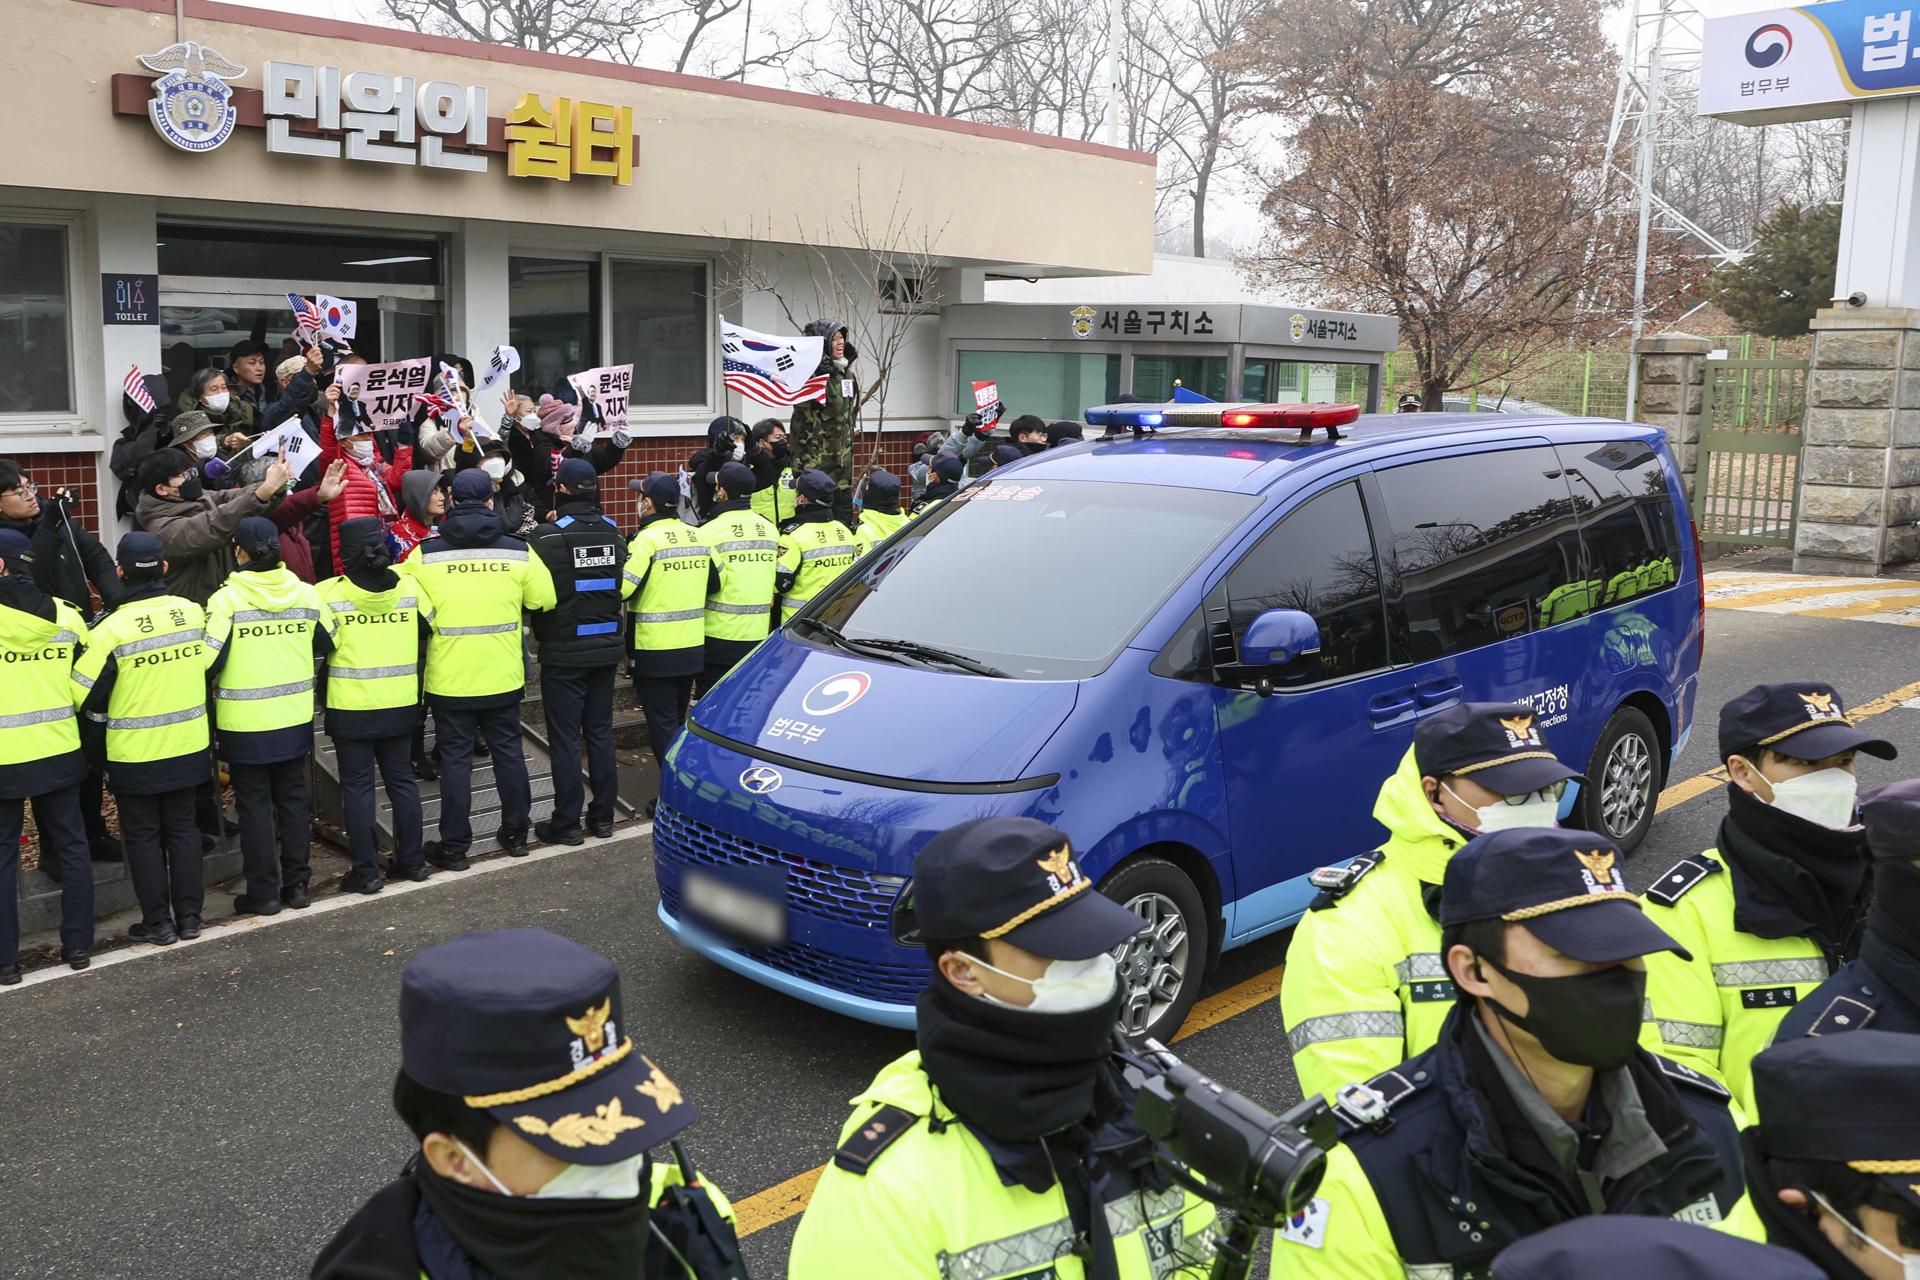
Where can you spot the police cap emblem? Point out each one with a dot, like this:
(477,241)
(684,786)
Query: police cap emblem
(192,107)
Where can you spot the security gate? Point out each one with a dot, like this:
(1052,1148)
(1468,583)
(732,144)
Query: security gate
(1748,482)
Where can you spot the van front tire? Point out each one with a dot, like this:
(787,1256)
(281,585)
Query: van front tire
(1160,969)
(1623,780)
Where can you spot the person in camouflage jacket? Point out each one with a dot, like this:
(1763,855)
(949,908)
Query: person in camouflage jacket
(821,435)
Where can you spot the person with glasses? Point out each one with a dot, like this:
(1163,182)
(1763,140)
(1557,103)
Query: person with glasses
(1366,988)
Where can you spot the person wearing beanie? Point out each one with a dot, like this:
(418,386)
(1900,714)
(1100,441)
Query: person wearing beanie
(946,471)
(264,630)
(155,712)
(815,547)
(195,527)
(475,581)
(377,634)
(726,442)
(822,430)
(880,514)
(1880,989)
(1779,903)
(566,429)
(771,462)
(146,431)
(1061,434)
(41,758)
(744,545)
(670,573)
(580,641)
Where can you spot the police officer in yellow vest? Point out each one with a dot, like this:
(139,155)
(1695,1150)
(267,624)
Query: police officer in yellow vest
(669,574)
(377,634)
(1004,1146)
(746,548)
(264,629)
(815,548)
(144,675)
(880,514)
(1365,986)
(40,755)
(475,582)
(1781,903)
(772,468)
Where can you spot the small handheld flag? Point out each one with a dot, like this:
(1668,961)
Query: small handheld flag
(136,389)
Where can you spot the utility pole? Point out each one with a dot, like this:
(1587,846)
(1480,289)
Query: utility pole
(1116,37)
(1643,169)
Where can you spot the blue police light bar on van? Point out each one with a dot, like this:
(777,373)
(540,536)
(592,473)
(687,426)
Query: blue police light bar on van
(1185,409)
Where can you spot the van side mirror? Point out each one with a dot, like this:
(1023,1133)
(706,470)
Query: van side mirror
(1278,637)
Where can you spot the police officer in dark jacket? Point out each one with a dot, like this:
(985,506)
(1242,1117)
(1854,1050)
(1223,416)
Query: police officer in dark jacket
(1605,1247)
(64,558)
(1881,989)
(580,641)
(1536,1105)
(1833,1160)
(540,1132)
(947,470)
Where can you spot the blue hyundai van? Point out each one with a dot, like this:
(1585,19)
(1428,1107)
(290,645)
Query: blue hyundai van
(1198,651)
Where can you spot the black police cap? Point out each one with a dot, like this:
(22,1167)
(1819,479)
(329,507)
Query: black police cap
(1891,816)
(948,466)
(814,486)
(527,1026)
(1497,744)
(1806,720)
(1568,887)
(1852,1098)
(1606,1247)
(1015,879)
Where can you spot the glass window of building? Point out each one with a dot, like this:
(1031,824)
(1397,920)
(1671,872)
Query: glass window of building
(553,312)
(275,253)
(1048,384)
(660,323)
(1154,376)
(36,363)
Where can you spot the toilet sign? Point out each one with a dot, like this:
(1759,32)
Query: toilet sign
(126,299)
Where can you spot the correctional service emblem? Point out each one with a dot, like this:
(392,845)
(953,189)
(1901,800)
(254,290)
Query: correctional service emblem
(192,107)
(1297,327)
(1597,870)
(1520,731)
(1082,320)
(1821,706)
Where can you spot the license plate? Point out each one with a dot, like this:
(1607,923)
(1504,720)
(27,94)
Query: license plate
(750,914)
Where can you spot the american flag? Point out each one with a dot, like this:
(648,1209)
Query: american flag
(136,388)
(436,402)
(306,316)
(756,386)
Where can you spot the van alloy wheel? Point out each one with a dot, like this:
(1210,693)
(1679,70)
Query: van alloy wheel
(1626,784)
(1153,964)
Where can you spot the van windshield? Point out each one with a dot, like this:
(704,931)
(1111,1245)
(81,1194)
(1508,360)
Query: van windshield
(1046,580)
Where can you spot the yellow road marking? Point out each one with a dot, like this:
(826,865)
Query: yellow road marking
(776,1204)
(1783,595)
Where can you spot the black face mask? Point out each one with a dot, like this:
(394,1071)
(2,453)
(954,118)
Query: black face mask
(528,1239)
(1590,1019)
(190,491)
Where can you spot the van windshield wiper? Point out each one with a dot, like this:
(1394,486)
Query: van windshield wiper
(840,640)
(931,653)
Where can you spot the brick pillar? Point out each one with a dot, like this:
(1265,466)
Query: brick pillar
(1860,451)
(1672,382)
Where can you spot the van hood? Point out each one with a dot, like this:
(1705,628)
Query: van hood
(892,720)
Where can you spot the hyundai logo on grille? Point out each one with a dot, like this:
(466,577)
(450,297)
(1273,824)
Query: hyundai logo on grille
(760,780)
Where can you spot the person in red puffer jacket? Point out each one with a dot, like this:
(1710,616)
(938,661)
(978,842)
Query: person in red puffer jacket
(373,482)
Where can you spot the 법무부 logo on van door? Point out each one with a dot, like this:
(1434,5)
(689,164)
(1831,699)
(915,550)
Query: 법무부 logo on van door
(836,693)
(192,106)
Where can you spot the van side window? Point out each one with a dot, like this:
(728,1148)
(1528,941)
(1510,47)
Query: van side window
(1626,518)
(1485,545)
(1319,560)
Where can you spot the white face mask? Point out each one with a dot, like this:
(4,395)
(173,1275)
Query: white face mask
(576,1181)
(1909,1262)
(360,450)
(529,422)
(203,448)
(739,451)
(1825,797)
(495,467)
(1068,986)
(1541,809)
(218,401)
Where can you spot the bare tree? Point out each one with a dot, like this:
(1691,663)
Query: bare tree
(878,273)
(1188,47)
(936,56)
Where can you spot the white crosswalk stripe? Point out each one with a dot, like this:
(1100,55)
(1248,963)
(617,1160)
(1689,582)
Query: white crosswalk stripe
(1884,600)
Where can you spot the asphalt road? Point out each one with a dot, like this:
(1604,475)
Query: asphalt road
(219,1109)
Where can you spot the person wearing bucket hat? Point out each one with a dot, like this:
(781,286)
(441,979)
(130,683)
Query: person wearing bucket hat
(1536,1104)
(1365,987)
(815,547)
(1605,1248)
(1004,1144)
(547,1139)
(1881,988)
(1833,1159)
(1779,903)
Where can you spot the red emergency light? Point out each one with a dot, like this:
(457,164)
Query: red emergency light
(1304,417)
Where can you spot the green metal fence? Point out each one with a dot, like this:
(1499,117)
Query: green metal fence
(1748,483)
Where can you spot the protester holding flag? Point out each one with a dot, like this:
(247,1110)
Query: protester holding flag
(564,429)
(439,445)
(726,442)
(195,528)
